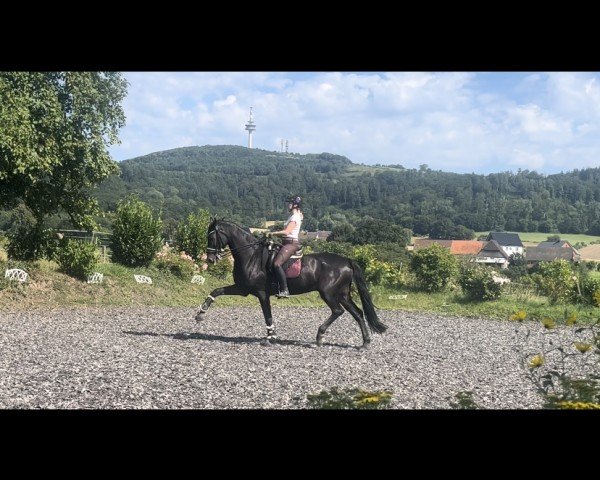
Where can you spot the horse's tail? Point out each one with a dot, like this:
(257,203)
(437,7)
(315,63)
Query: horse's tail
(365,298)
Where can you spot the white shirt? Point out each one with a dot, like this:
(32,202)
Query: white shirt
(294,217)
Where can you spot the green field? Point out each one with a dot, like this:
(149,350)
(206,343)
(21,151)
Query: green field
(537,237)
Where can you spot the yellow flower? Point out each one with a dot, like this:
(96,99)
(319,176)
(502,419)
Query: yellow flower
(536,361)
(548,323)
(582,347)
(565,404)
(571,319)
(519,316)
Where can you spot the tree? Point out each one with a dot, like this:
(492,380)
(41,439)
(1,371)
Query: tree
(54,134)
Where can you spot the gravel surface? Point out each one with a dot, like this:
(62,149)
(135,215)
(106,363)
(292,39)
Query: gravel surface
(132,358)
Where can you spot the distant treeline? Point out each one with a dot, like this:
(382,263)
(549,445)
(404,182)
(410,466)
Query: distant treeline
(251,186)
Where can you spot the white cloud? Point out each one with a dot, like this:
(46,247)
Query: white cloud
(451,121)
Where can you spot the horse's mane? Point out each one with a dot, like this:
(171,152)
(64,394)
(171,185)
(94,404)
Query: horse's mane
(246,230)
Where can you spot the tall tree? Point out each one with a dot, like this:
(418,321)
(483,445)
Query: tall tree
(55,128)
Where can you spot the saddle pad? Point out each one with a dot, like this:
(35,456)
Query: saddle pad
(293,270)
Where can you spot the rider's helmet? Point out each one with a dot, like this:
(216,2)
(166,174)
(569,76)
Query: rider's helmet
(296,201)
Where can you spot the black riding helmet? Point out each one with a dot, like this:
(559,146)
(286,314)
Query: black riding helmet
(295,200)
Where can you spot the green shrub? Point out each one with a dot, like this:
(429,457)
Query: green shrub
(28,239)
(434,267)
(477,283)
(191,235)
(349,399)
(136,233)
(77,258)
(557,281)
(222,269)
(179,264)
(590,290)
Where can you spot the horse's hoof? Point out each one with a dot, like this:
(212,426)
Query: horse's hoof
(266,343)
(200,317)
(364,346)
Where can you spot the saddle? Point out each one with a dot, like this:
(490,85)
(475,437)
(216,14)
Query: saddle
(291,267)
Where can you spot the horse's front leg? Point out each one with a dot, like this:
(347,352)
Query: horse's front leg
(265,304)
(217,292)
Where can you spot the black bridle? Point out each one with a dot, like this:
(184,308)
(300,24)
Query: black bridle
(220,245)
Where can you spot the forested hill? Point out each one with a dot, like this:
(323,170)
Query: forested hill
(251,185)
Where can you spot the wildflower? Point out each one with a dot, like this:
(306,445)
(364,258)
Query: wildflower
(548,323)
(536,361)
(582,347)
(571,319)
(519,316)
(566,404)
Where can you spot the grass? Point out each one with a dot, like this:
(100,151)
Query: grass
(50,289)
(537,237)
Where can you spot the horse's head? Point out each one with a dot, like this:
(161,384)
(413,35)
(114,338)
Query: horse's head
(218,239)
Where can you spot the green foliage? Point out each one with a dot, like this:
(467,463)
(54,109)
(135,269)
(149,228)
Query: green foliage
(177,263)
(28,239)
(349,399)
(564,367)
(371,231)
(222,269)
(191,235)
(446,229)
(136,233)
(77,258)
(340,248)
(464,401)
(56,127)
(557,281)
(434,267)
(591,291)
(477,283)
(377,272)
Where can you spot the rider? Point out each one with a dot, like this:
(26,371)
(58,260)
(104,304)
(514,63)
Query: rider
(290,232)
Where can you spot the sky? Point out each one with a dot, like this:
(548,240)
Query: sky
(451,121)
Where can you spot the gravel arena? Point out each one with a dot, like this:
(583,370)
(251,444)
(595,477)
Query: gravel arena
(160,358)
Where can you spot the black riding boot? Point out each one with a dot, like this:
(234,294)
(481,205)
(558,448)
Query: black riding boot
(283,288)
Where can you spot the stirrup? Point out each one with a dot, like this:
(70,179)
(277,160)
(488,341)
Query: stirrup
(284,294)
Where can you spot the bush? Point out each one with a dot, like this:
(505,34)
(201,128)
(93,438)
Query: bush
(434,267)
(376,271)
(191,237)
(221,269)
(77,258)
(136,233)
(557,281)
(590,290)
(28,239)
(179,264)
(477,283)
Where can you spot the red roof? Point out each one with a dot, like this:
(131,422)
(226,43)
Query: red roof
(466,247)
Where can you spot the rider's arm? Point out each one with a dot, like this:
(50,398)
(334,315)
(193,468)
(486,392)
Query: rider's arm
(287,230)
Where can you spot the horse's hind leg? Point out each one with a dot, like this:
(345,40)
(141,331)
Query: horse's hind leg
(336,311)
(356,312)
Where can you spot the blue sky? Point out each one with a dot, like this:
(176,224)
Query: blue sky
(452,121)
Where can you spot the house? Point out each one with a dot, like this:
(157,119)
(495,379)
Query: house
(510,242)
(318,235)
(493,253)
(555,243)
(535,255)
(456,247)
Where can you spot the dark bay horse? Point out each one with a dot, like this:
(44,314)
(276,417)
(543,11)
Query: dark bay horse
(330,274)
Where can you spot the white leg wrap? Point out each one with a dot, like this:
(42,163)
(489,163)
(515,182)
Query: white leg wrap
(212,298)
